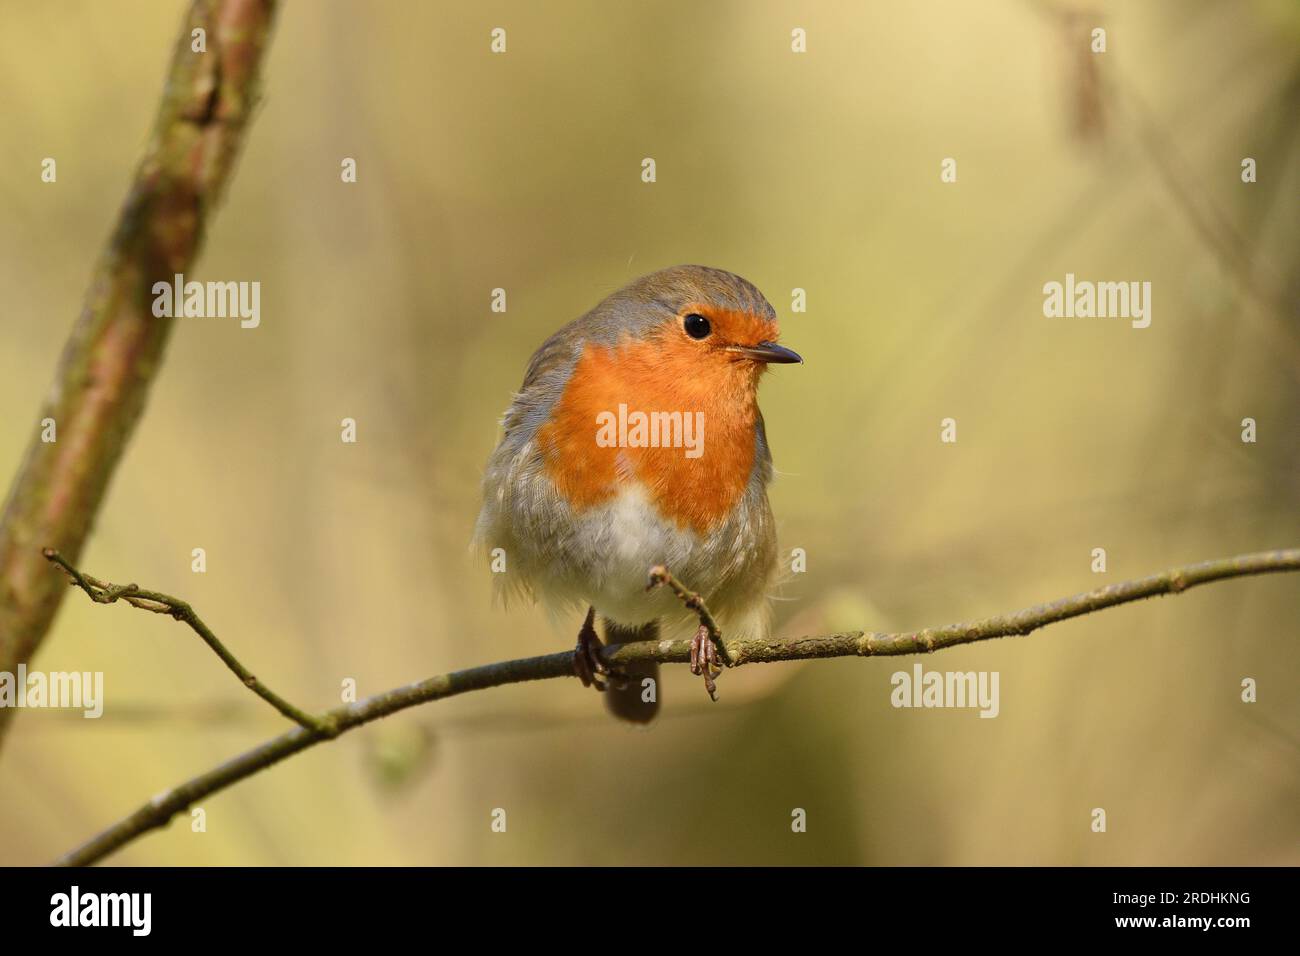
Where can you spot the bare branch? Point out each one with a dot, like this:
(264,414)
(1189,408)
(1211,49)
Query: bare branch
(116,347)
(707,651)
(102,592)
(158,811)
(660,575)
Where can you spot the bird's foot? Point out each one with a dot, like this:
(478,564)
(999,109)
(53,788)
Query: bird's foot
(704,660)
(587,662)
(707,654)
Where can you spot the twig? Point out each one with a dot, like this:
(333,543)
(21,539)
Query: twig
(705,658)
(158,811)
(660,575)
(115,350)
(102,592)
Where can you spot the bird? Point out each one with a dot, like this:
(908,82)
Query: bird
(636,442)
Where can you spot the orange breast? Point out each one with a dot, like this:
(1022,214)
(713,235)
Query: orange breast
(661,374)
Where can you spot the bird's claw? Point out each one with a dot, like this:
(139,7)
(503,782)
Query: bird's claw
(704,660)
(588,663)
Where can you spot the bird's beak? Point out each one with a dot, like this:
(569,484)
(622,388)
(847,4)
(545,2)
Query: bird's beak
(769,352)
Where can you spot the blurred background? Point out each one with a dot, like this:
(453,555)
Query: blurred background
(817,171)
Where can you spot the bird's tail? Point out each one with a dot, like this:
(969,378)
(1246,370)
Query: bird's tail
(638,700)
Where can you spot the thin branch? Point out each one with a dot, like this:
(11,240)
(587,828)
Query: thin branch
(660,575)
(707,651)
(102,592)
(158,811)
(115,349)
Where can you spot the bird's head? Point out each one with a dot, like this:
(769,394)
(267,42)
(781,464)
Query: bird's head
(701,322)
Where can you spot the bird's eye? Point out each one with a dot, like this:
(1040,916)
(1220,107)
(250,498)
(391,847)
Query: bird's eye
(697,326)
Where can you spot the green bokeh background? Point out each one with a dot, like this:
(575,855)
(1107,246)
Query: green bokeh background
(818,171)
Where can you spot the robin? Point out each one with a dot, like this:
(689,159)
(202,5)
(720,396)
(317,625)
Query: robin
(636,441)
